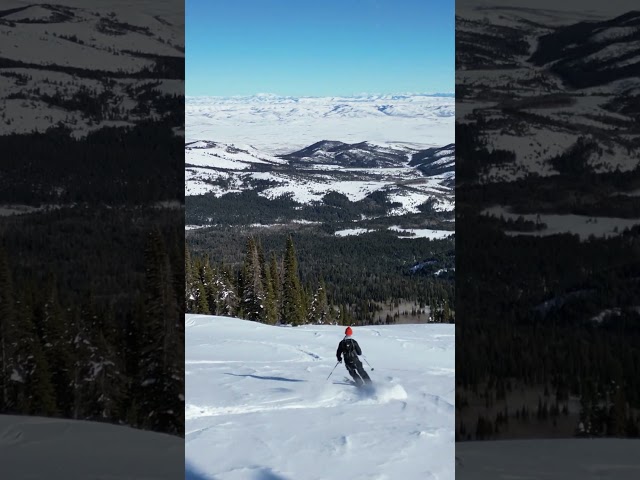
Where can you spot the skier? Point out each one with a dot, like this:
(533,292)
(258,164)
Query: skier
(350,349)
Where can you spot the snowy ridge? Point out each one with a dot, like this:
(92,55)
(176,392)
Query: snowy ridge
(226,156)
(244,377)
(353,170)
(87,67)
(561,76)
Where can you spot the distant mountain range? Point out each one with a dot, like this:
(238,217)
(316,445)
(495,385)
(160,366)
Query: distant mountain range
(281,124)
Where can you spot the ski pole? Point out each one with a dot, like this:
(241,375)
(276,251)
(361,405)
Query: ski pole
(365,359)
(332,371)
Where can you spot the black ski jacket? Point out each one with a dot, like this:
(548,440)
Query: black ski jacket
(350,349)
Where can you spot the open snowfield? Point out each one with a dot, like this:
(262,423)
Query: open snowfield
(581,225)
(259,405)
(40,448)
(279,125)
(579,459)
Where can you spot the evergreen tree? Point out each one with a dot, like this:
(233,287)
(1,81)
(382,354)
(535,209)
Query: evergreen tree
(39,391)
(7,318)
(57,340)
(202,307)
(254,298)
(319,310)
(189,282)
(276,282)
(161,378)
(271,301)
(292,306)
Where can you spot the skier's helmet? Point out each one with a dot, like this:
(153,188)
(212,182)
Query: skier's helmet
(348,332)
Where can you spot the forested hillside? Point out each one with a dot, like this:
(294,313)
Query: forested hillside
(320,279)
(83,331)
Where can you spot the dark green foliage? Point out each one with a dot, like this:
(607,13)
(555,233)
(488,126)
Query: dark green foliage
(527,306)
(121,166)
(377,266)
(81,343)
(293,293)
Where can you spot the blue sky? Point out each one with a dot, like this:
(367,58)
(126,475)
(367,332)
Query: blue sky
(321,47)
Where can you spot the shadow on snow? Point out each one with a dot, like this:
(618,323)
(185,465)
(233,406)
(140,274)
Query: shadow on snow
(259,473)
(259,377)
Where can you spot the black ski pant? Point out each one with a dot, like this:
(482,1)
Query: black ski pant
(356,370)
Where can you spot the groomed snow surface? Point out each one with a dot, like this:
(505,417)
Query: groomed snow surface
(259,405)
(43,448)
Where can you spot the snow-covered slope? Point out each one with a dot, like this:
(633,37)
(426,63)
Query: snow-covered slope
(353,170)
(276,124)
(36,447)
(536,81)
(263,392)
(87,66)
(578,459)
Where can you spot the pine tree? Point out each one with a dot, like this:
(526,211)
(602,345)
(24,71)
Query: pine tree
(40,393)
(7,318)
(292,307)
(253,299)
(57,340)
(161,378)
(619,413)
(189,282)
(271,302)
(319,310)
(202,307)
(276,282)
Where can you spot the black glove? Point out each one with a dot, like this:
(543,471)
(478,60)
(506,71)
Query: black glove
(339,360)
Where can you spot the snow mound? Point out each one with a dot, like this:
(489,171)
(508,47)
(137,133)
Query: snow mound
(37,447)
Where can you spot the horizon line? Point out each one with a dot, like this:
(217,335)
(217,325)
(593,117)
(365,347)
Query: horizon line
(353,95)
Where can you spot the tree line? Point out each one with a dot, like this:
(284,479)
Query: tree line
(270,289)
(95,357)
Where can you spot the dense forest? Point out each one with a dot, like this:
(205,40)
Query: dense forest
(91,325)
(548,330)
(248,207)
(113,165)
(91,279)
(335,280)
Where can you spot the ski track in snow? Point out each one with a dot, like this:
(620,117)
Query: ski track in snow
(264,390)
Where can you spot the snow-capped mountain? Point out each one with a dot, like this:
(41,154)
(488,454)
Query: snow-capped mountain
(279,124)
(353,170)
(86,66)
(542,87)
